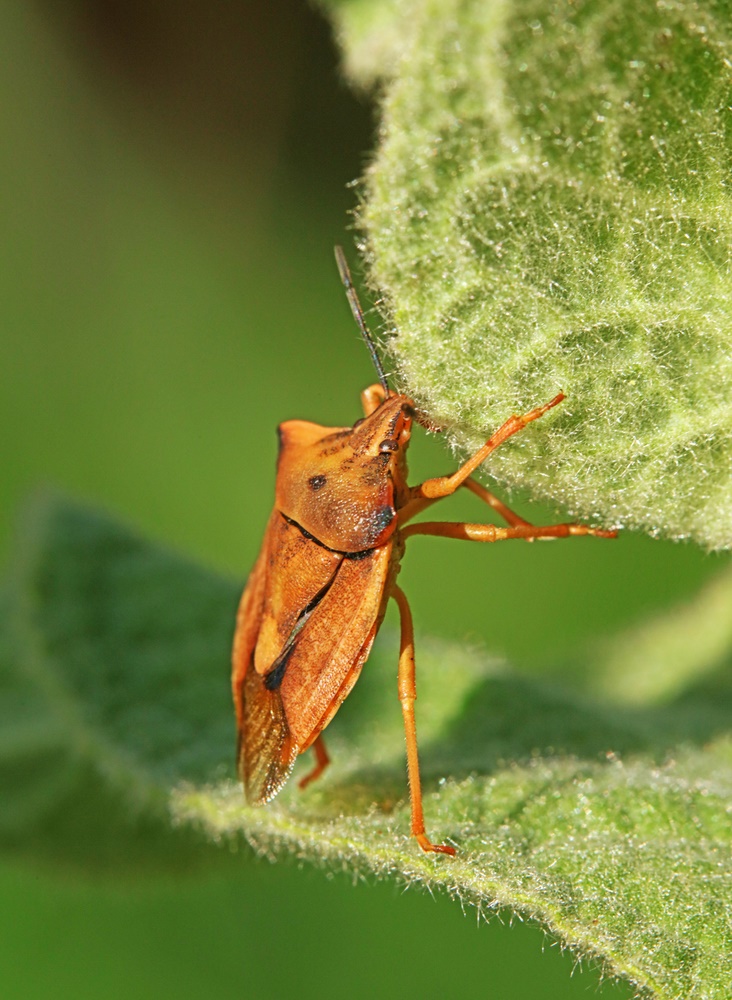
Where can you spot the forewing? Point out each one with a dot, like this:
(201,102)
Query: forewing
(267,750)
(248,622)
(298,572)
(328,653)
(289,578)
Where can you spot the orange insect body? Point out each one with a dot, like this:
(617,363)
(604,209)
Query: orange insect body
(327,567)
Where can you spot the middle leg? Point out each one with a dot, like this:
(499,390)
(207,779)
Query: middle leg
(498,505)
(492,533)
(444,486)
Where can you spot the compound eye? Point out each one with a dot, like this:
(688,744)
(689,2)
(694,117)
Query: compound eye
(388,445)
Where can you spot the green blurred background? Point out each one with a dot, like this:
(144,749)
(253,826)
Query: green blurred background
(173,179)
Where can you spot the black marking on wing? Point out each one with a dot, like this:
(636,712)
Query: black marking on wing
(273,679)
(276,674)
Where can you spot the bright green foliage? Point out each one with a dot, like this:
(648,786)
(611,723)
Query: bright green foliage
(549,209)
(106,692)
(609,825)
(655,662)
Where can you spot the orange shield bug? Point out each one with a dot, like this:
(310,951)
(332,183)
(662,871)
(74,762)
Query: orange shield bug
(327,567)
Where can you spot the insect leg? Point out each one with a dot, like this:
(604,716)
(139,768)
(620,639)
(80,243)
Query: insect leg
(321,762)
(498,505)
(372,398)
(491,533)
(416,506)
(407,697)
(443,486)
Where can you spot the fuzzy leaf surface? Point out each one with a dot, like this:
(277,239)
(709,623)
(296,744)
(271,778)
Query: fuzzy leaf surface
(609,825)
(548,210)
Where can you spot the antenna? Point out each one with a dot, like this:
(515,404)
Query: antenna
(358,315)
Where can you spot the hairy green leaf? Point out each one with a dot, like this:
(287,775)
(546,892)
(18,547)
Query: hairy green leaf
(610,825)
(548,209)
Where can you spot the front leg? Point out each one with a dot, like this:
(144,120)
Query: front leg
(423,496)
(444,486)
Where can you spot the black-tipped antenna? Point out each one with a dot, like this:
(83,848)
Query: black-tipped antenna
(358,314)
